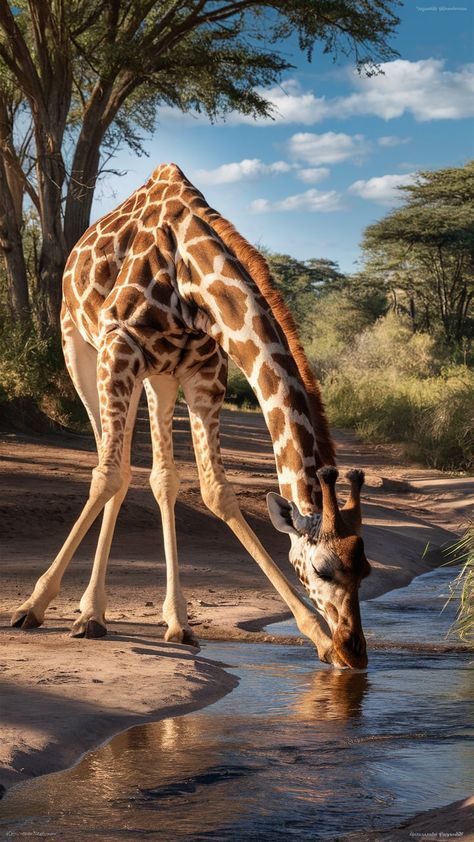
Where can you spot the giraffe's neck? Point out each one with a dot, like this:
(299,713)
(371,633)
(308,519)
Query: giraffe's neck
(227,305)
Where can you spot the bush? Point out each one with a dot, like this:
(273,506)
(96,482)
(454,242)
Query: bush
(431,416)
(462,586)
(32,370)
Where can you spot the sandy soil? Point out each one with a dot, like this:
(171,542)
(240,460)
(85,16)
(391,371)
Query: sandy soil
(455,821)
(61,696)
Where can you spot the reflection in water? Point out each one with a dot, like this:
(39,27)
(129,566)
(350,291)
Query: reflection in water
(297,750)
(332,694)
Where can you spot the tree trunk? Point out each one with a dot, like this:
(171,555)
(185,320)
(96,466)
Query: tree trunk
(53,255)
(86,161)
(81,191)
(12,248)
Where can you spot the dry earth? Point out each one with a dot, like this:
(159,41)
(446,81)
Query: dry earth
(60,696)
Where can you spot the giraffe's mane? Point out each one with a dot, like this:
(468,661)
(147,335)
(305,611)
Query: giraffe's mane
(257,267)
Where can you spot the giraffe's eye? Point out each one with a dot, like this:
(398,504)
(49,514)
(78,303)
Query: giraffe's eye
(321,574)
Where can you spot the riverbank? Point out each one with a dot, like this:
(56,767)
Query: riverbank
(63,696)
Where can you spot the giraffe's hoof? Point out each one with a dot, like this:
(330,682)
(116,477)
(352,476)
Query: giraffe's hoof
(90,629)
(25,619)
(182,635)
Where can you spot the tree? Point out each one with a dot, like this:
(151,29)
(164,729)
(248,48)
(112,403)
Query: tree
(423,253)
(78,78)
(303,284)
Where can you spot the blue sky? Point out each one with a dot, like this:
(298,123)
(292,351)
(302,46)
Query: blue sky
(307,183)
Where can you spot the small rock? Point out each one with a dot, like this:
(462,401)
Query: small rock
(148,604)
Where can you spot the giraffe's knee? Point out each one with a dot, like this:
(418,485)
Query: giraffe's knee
(220,498)
(165,484)
(106,482)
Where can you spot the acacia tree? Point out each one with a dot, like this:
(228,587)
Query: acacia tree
(423,253)
(78,78)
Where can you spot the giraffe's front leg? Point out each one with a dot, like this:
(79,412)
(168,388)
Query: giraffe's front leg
(120,410)
(164,480)
(92,623)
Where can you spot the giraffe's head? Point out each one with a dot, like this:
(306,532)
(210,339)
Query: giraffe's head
(328,555)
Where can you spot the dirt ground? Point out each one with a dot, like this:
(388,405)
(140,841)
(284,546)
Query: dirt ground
(409,514)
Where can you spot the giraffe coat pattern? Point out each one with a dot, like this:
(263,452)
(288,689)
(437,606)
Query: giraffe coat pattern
(161,291)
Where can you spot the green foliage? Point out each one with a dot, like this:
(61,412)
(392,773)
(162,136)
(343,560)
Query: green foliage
(333,322)
(422,254)
(390,386)
(32,368)
(463,585)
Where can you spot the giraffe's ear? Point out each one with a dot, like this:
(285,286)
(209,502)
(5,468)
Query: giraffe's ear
(281,513)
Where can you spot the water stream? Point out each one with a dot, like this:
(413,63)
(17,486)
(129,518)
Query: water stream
(297,751)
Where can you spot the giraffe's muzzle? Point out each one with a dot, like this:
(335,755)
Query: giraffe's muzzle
(351,648)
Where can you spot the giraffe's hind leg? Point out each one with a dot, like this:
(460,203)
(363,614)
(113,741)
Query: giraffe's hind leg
(108,488)
(161,393)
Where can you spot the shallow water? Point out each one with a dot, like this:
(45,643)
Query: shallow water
(298,750)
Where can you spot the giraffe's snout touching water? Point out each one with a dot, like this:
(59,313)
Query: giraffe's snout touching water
(160,292)
(328,555)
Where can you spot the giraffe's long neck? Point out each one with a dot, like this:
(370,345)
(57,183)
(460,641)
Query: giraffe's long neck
(227,305)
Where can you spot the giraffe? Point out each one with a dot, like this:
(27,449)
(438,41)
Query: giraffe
(160,292)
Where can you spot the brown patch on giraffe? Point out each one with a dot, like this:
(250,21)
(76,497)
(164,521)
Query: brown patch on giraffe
(222,375)
(142,274)
(350,550)
(244,354)
(174,207)
(268,381)
(206,375)
(285,490)
(296,399)
(332,612)
(208,347)
(289,458)
(276,423)
(162,346)
(264,328)
(197,228)
(232,303)
(171,191)
(304,493)
(286,361)
(229,269)
(150,216)
(143,241)
(305,438)
(121,365)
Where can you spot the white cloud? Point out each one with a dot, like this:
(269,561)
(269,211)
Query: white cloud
(312,200)
(327,148)
(382,189)
(392,140)
(313,175)
(423,88)
(292,105)
(246,170)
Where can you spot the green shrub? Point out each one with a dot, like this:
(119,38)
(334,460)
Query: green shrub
(463,585)
(32,368)
(433,417)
